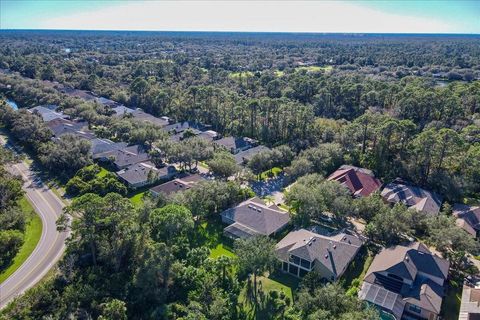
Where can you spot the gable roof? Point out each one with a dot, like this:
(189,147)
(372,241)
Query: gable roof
(47,112)
(413,197)
(100,146)
(407,262)
(360,182)
(177,185)
(234,144)
(142,116)
(140,172)
(257,216)
(61,126)
(121,110)
(468,218)
(125,156)
(182,126)
(334,252)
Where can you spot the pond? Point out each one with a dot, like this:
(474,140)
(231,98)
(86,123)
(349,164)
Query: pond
(12,104)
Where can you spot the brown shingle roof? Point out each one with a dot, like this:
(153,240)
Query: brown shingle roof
(360,182)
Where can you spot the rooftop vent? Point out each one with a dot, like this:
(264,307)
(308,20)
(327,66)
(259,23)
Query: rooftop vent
(326,256)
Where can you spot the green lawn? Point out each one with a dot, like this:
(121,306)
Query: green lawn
(277,281)
(33,232)
(103,172)
(275,171)
(221,250)
(137,198)
(451,303)
(238,75)
(279,73)
(316,68)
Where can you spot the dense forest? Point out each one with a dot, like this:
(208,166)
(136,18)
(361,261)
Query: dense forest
(401,105)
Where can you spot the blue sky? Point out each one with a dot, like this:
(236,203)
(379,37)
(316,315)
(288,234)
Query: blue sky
(230,15)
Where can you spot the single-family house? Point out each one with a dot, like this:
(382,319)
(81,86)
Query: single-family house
(47,112)
(242,157)
(177,185)
(142,116)
(79,129)
(180,127)
(145,173)
(235,144)
(209,135)
(302,251)
(100,146)
(252,218)
(412,196)
(468,218)
(121,110)
(470,303)
(122,158)
(361,182)
(406,281)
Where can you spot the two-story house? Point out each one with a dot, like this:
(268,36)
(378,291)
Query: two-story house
(407,282)
(302,251)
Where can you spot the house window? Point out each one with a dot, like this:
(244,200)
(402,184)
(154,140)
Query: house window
(285,266)
(295,259)
(293,270)
(415,309)
(305,264)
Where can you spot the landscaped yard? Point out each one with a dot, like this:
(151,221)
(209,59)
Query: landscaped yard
(221,250)
(275,171)
(33,232)
(277,281)
(137,198)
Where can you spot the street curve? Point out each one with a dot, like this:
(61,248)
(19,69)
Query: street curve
(51,244)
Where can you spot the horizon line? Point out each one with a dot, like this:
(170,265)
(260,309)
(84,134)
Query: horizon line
(252,32)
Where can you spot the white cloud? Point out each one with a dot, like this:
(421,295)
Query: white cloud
(290,16)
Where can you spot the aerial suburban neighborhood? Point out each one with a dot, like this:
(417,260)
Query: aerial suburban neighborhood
(224,173)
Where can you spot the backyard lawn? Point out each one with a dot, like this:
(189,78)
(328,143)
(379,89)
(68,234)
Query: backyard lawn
(33,232)
(275,171)
(137,198)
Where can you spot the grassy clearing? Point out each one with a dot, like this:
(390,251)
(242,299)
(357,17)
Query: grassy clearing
(221,250)
(277,281)
(279,73)
(33,232)
(103,172)
(325,69)
(275,171)
(137,198)
(451,303)
(238,75)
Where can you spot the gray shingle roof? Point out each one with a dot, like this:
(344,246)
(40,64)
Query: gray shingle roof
(177,185)
(48,112)
(257,216)
(468,218)
(334,252)
(100,146)
(140,172)
(146,117)
(413,197)
(415,263)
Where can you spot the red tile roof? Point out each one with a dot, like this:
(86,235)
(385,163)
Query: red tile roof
(360,182)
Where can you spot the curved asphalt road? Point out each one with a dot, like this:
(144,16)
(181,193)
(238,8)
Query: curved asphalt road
(51,245)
